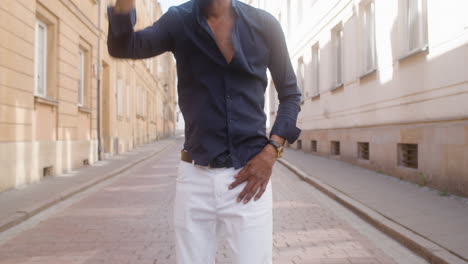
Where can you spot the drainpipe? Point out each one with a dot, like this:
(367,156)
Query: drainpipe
(98,71)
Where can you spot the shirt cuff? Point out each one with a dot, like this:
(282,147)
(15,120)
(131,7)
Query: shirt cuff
(286,129)
(121,23)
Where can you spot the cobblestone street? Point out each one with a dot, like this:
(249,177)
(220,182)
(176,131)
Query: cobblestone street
(128,219)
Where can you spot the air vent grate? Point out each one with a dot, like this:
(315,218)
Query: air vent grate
(47,171)
(335,148)
(363,150)
(408,155)
(299,144)
(313,145)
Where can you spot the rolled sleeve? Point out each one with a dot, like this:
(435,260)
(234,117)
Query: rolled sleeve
(286,129)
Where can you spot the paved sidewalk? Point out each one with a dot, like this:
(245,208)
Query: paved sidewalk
(128,219)
(19,204)
(440,219)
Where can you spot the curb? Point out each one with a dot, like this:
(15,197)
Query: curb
(26,213)
(427,249)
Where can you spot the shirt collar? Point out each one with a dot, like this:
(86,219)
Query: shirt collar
(199,14)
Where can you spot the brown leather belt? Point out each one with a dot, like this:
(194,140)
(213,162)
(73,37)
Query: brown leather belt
(218,162)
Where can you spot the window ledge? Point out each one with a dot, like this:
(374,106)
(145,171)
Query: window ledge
(45,100)
(423,49)
(85,109)
(368,73)
(119,117)
(337,86)
(315,96)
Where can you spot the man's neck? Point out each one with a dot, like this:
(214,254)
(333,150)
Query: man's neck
(218,8)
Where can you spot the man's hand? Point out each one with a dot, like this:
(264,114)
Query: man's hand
(124,6)
(257,173)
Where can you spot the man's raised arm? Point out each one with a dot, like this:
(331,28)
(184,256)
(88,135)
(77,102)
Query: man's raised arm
(124,42)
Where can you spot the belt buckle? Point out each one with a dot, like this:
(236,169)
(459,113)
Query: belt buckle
(227,162)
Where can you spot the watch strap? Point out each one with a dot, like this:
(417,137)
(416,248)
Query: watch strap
(277,146)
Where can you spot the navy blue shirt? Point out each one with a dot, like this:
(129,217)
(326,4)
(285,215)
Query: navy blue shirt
(222,103)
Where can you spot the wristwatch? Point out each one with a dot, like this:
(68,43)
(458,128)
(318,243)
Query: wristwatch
(278,147)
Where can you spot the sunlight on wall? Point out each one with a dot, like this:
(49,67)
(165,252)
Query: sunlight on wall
(447,26)
(386,20)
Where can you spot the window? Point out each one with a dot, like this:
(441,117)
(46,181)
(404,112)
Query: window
(81,77)
(335,148)
(300,76)
(363,150)
(315,70)
(45,56)
(289,18)
(300,11)
(414,24)
(149,65)
(160,65)
(337,40)
(119,97)
(143,103)
(299,144)
(40,80)
(137,100)
(368,29)
(408,155)
(128,102)
(313,145)
(84,73)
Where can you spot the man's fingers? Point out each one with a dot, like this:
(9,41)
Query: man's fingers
(237,182)
(246,190)
(260,193)
(252,192)
(240,178)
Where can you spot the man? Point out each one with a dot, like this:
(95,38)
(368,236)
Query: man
(223,49)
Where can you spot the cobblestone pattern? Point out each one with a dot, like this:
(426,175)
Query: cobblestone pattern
(130,221)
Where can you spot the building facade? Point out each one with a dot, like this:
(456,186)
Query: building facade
(384,84)
(49,73)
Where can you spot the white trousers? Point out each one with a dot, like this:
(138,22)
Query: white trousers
(206,211)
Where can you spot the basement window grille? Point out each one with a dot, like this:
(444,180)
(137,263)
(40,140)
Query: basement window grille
(299,144)
(47,171)
(335,148)
(313,145)
(363,150)
(408,155)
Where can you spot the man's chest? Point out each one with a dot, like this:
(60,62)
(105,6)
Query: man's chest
(203,49)
(222,32)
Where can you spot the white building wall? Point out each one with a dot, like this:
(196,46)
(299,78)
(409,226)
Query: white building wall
(411,97)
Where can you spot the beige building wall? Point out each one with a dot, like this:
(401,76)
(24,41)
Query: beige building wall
(52,132)
(408,108)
